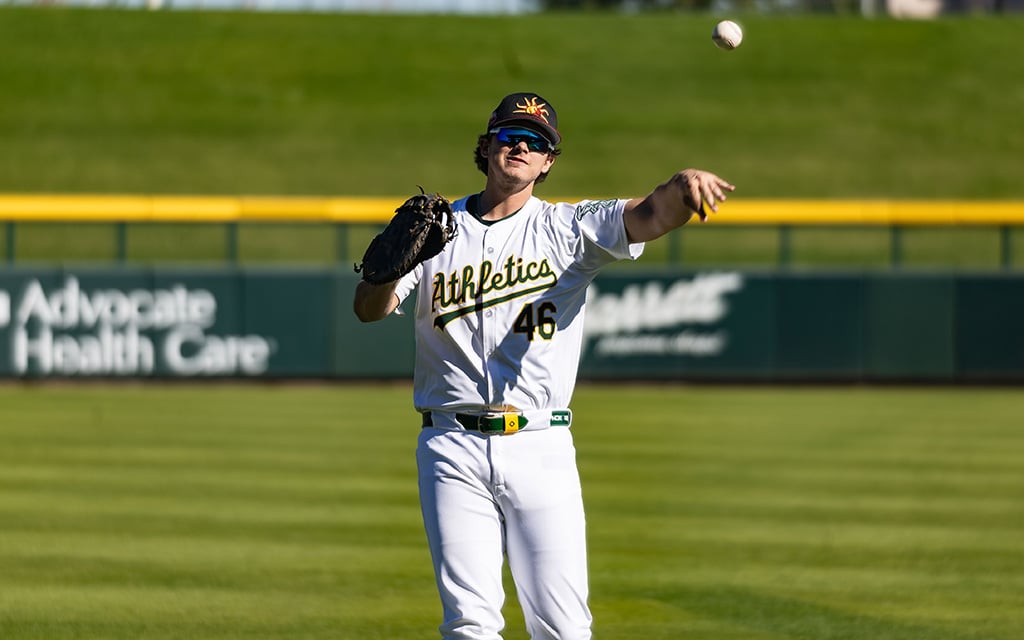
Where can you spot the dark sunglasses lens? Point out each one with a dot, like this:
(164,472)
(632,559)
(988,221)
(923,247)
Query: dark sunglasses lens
(533,141)
(537,144)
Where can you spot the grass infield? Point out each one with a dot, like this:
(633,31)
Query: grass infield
(719,513)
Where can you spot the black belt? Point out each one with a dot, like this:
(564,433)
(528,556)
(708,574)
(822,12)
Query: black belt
(504,423)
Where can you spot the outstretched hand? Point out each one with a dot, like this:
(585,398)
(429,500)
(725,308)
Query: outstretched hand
(702,190)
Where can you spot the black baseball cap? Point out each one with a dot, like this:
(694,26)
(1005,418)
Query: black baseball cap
(528,110)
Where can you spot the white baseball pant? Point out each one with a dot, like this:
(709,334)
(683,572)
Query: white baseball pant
(519,495)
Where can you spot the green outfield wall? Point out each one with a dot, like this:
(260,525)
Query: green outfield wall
(722,325)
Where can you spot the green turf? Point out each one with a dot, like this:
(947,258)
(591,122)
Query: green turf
(347,105)
(216,512)
(342,104)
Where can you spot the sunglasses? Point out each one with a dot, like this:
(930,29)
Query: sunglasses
(534,141)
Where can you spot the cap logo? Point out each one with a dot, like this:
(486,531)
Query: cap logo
(533,108)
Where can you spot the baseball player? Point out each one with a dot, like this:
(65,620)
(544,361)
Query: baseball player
(499,327)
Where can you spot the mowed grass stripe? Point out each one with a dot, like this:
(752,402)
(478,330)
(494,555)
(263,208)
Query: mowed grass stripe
(199,612)
(301,565)
(877,512)
(714,512)
(810,106)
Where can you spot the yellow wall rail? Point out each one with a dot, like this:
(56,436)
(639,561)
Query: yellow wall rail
(116,208)
(347,213)
(738,211)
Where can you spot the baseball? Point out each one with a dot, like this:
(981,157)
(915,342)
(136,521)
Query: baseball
(727,35)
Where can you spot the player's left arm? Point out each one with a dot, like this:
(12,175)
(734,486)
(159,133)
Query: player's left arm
(374,302)
(673,203)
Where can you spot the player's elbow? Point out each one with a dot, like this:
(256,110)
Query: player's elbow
(372,303)
(367,314)
(362,315)
(649,220)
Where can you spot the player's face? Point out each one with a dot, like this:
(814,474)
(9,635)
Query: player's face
(518,155)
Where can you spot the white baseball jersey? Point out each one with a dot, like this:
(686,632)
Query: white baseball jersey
(499,312)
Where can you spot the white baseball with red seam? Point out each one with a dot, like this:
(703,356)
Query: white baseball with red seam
(727,34)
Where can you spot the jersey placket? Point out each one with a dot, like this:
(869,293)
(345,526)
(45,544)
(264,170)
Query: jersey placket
(493,243)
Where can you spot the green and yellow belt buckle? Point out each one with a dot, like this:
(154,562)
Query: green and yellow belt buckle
(505,424)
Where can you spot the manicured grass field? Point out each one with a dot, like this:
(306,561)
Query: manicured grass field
(720,513)
(244,103)
(341,104)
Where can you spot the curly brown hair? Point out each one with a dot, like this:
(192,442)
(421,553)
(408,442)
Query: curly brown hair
(481,161)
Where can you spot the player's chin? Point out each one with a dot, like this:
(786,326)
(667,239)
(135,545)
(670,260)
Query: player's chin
(521,171)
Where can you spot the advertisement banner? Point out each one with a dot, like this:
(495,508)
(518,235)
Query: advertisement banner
(693,325)
(718,325)
(142,323)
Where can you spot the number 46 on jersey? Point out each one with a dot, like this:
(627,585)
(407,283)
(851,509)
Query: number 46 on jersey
(536,319)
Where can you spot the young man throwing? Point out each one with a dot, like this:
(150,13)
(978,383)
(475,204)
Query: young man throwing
(499,328)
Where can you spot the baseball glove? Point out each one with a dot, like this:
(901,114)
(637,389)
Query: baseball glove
(420,229)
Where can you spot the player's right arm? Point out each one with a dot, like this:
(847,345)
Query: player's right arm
(673,203)
(375,301)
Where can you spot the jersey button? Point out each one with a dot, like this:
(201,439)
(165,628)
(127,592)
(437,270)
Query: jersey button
(490,249)
(488,314)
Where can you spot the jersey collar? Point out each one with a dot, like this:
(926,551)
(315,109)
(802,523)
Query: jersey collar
(473,207)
